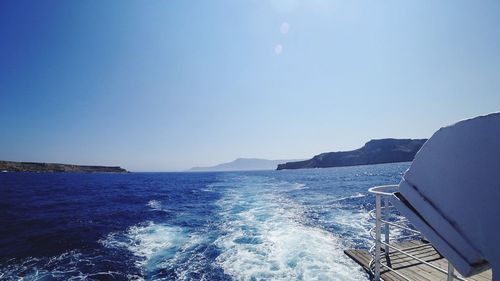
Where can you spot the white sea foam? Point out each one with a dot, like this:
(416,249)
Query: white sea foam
(161,246)
(265,239)
(357,195)
(155,205)
(297,186)
(151,243)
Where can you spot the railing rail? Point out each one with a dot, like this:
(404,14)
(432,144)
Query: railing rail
(384,220)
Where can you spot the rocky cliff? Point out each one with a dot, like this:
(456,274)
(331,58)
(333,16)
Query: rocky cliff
(373,152)
(11,166)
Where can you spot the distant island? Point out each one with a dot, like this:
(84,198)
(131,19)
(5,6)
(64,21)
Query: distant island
(10,166)
(373,152)
(242,164)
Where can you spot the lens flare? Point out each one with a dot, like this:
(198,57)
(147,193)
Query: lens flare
(284,28)
(278,49)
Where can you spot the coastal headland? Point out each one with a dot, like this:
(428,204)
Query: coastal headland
(373,152)
(11,166)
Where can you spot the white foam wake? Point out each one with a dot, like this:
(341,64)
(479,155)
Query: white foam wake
(155,205)
(161,247)
(151,243)
(266,239)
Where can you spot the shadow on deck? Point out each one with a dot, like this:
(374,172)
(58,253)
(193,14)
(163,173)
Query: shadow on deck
(411,268)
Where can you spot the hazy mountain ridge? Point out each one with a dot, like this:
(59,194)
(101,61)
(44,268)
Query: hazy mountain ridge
(243,164)
(373,152)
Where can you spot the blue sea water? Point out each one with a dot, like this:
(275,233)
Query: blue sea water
(262,225)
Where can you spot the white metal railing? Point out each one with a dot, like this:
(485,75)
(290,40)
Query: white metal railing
(387,217)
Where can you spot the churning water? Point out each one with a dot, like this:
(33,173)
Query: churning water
(265,225)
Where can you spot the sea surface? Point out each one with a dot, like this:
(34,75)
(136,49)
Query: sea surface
(263,225)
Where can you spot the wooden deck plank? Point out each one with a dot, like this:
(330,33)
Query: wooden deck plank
(411,268)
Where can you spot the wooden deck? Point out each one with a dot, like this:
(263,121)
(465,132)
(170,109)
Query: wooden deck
(412,269)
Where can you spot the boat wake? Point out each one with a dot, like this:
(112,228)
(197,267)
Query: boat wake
(265,237)
(222,226)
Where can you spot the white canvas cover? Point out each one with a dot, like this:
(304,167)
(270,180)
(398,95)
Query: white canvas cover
(451,193)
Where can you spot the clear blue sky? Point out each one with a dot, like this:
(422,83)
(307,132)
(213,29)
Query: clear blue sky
(166,85)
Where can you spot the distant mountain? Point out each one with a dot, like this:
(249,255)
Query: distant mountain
(10,166)
(244,164)
(373,152)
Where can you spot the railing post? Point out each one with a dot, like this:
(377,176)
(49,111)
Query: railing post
(450,272)
(386,226)
(377,236)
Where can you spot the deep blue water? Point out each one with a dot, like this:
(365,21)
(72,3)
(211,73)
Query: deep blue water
(265,225)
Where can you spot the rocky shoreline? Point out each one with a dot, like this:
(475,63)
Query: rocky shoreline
(373,152)
(11,166)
